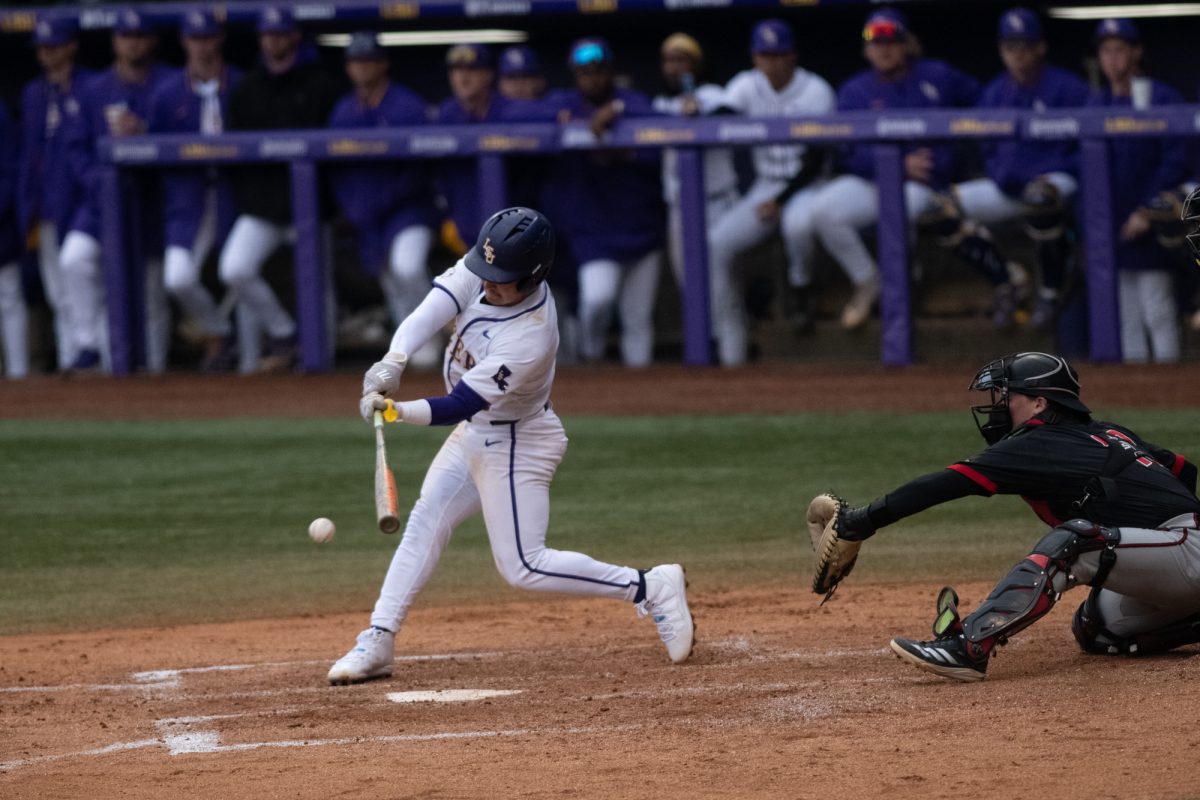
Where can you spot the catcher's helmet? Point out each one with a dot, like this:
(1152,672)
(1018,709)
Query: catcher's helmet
(1191,217)
(1031,374)
(515,245)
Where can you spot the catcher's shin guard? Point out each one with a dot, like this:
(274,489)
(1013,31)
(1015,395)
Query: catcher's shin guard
(1031,588)
(1088,627)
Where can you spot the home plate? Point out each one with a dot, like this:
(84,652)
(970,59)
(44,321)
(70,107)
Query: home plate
(449,695)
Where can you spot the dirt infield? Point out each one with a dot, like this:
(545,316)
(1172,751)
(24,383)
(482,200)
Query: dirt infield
(781,699)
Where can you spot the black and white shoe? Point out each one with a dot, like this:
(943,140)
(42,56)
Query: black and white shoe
(946,656)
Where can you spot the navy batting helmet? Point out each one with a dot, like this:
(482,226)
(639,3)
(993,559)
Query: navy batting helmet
(1031,374)
(515,245)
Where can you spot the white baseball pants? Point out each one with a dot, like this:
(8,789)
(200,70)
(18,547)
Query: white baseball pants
(1149,316)
(631,287)
(181,271)
(250,243)
(847,205)
(982,201)
(504,471)
(87,315)
(14,321)
(55,289)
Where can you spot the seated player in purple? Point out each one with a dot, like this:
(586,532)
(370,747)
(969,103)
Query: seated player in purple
(390,203)
(198,205)
(617,221)
(1030,181)
(1141,169)
(115,102)
(899,77)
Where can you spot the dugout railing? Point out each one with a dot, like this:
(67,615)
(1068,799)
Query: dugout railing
(490,145)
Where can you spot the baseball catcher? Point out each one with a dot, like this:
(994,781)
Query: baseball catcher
(1122,517)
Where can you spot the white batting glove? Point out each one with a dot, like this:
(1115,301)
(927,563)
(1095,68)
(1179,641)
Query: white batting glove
(371,403)
(384,376)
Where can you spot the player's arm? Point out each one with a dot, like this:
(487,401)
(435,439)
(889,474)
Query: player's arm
(461,404)
(912,498)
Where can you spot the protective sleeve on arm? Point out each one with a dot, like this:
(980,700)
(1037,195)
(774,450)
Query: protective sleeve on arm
(814,164)
(438,308)
(922,493)
(462,403)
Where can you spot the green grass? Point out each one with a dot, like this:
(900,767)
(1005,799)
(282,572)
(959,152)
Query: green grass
(122,524)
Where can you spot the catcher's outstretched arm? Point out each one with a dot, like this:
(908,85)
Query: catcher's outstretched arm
(911,498)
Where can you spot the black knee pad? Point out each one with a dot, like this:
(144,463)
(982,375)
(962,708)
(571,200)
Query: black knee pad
(1087,627)
(1045,214)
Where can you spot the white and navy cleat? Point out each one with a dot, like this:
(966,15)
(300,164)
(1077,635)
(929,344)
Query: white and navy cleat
(666,603)
(370,658)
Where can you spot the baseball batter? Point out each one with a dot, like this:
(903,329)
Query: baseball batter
(786,177)
(1123,515)
(505,447)
(898,78)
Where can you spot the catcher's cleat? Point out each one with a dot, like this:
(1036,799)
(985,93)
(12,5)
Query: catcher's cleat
(371,657)
(945,656)
(666,603)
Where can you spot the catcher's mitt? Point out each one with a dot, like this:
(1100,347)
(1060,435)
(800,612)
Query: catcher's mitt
(835,555)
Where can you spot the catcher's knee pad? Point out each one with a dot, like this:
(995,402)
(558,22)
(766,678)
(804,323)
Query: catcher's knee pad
(1032,587)
(1045,212)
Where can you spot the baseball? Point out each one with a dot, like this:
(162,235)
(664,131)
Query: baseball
(320,530)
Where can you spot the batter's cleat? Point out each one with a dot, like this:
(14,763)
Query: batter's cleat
(946,656)
(666,604)
(370,658)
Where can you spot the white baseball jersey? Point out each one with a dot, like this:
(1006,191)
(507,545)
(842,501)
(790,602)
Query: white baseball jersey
(505,354)
(500,462)
(720,177)
(807,94)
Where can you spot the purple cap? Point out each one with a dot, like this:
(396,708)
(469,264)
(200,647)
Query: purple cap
(1020,24)
(54,31)
(1119,28)
(592,50)
(772,36)
(885,25)
(519,60)
(200,23)
(276,19)
(365,46)
(469,56)
(130,22)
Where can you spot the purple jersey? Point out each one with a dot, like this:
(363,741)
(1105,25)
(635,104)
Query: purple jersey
(457,179)
(1140,168)
(11,242)
(175,107)
(101,99)
(1012,163)
(927,84)
(607,203)
(47,190)
(382,198)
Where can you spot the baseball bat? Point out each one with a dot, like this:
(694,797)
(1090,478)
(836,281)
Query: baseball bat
(386,505)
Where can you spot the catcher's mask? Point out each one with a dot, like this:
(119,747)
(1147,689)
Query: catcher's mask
(1031,374)
(1191,218)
